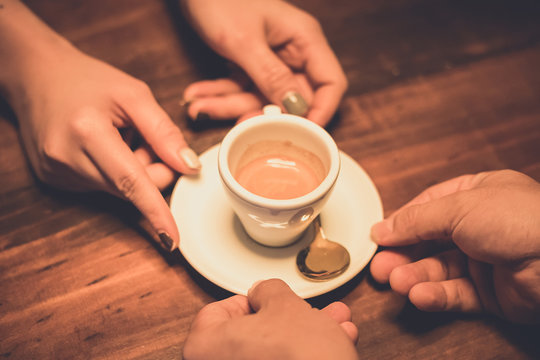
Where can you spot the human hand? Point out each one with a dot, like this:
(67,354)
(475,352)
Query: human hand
(73,110)
(494,220)
(281,48)
(271,323)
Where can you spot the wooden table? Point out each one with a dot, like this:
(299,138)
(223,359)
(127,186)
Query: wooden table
(438,88)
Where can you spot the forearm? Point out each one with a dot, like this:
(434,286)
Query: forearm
(25,46)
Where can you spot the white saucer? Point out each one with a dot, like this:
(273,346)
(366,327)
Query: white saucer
(213,241)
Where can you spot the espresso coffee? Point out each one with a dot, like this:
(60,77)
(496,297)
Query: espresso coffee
(279,170)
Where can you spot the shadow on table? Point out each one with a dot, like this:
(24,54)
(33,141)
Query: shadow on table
(522,336)
(219,293)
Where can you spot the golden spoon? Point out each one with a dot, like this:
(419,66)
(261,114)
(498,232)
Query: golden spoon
(322,259)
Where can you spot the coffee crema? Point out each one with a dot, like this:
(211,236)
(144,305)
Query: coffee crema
(279,170)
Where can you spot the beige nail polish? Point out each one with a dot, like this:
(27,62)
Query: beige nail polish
(294,103)
(190,158)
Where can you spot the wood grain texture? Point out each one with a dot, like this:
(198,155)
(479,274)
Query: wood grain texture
(438,88)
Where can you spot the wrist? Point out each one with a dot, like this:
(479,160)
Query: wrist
(28,45)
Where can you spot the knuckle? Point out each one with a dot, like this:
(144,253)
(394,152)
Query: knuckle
(342,82)
(82,124)
(508,172)
(52,150)
(444,266)
(127,184)
(406,219)
(276,76)
(230,39)
(454,299)
(166,129)
(52,161)
(138,89)
(312,24)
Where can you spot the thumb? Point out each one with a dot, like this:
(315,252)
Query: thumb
(433,214)
(274,79)
(274,294)
(436,219)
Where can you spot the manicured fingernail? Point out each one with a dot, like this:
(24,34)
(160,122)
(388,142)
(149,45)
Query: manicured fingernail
(190,158)
(202,117)
(167,241)
(295,103)
(381,230)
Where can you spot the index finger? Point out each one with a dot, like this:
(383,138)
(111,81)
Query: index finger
(437,191)
(436,219)
(430,215)
(329,81)
(159,131)
(118,164)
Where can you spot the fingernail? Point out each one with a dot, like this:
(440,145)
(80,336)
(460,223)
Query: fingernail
(381,230)
(190,158)
(294,103)
(167,241)
(202,117)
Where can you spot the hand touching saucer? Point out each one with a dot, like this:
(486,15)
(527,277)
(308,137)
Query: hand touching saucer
(271,323)
(494,220)
(73,109)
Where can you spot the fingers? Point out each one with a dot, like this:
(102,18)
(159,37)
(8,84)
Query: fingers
(452,295)
(325,103)
(327,78)
(249,115)
(341,313)
(224,107)
(351,330)
(126,175)
(216,87)
(311,54)
(437,283)
(384,262)
(161,175)
(447,265)
(221,311)
(203,334)
(274,293)
(433,214)
(164,137)
(338,311)
(273,78)
(221,99)
(435,219)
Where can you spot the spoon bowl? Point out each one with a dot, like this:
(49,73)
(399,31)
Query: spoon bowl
(322,259)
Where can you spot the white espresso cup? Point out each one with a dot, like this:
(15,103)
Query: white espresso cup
(272,221)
